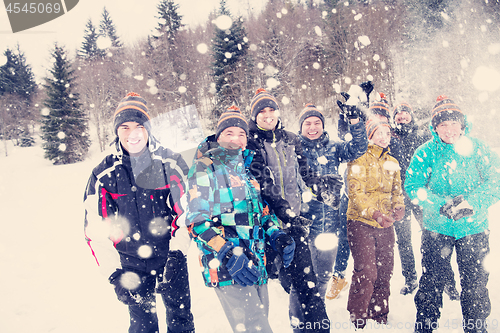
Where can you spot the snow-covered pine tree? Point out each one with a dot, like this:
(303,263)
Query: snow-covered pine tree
(230,65)
(169,21)
(64,125)
(89,49)
(107,29)
(16,76)
(166,61)
(17,90)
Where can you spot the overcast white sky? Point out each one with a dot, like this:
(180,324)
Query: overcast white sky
(133,19)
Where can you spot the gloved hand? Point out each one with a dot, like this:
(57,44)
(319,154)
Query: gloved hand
(367,88)
(124,295)
(298,226)
(329,190)
(284,245)
(176,262)
(382,219)
(241,269)
(456,208)
(398,213)
(351,111)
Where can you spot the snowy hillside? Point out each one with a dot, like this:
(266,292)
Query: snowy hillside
(51,282)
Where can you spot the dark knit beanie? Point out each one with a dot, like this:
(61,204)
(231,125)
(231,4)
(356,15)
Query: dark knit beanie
(403,106)
(310,111)
(374,124)
(381,107)
(132,108)
(445,109)
(231,117)
(261,100)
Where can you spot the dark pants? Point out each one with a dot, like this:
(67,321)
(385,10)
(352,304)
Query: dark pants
(307,308)
(373,253)
(474,299)
(323,265)
(176,297)
(343,251)
(403,233)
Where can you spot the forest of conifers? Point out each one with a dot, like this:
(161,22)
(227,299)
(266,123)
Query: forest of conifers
(302,51)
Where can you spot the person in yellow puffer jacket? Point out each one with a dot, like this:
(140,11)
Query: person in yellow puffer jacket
(375,203)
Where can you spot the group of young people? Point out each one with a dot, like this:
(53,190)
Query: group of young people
(258,198)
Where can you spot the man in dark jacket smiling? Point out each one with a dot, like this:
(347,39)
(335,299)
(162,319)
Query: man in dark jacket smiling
(278,164)
(324,157)
(131,200)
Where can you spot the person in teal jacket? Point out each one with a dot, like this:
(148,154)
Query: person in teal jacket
(455,179)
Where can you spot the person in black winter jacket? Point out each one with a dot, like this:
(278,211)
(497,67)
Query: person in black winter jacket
(278,163)
(324,156)
(407,137)
(131,201)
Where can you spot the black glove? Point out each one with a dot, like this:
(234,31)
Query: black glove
(125,295)
(284,245)
(176,261)
(456,208)
(351,111)
(367,88)
(297,226)
(329,190)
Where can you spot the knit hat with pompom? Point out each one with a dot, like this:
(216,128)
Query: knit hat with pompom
(310,111)
(132,108)
(231,117)
(380,107)
(261,100)
(445,109)
(373,124)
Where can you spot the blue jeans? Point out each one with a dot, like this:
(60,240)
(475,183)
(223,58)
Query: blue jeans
(343,250)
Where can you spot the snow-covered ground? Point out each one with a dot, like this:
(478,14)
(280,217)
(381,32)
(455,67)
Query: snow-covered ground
(49,281)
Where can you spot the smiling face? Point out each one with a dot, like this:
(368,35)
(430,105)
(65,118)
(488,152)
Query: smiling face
(267,118)
(449,131)
(233,138)
(382,136)
(133,137)
(312,128)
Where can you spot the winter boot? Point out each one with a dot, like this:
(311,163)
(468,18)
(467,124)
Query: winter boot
(409,288)
(452,292)
(336,286)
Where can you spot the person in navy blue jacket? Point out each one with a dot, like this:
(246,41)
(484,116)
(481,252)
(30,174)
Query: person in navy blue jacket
(324,157)
(131,201)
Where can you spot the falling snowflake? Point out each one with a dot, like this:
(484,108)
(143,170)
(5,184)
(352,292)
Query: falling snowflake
(145,251)
(223,22)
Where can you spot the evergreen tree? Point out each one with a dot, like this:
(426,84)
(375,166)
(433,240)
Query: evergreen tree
(64,125)
(16,76)
(17,89)
(7,73)
(89,49)
(167,62)
(169,21)
(107,29)
(230,66)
